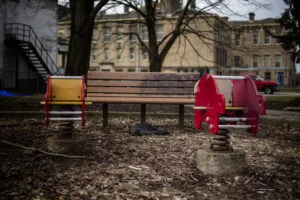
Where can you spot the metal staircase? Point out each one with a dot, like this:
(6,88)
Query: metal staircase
(23,39)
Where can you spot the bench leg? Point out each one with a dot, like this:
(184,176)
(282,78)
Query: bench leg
(105,115)
(181,115)
(143,113)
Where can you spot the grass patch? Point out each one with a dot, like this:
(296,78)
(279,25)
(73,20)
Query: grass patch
(282,98)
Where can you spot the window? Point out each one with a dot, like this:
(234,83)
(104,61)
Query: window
(131,70)
(267,38)
(105,53)
(278,60)
(159,31)
(119,70)
(144,70)
(255,61)
(144,33)
(105,70)
(95,35)
(106,34)
(237,61)
(267,75)
(118,52)
(131,53)
(93,55)
(120,32)
(266,60)
(255,37)
(133,29)
(237,38)
(145,55)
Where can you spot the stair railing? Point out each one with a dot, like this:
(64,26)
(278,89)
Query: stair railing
(24,32)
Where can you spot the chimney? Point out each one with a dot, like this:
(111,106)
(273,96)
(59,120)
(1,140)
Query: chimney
(193,5)
(251,16)
(126,9)
(170,6)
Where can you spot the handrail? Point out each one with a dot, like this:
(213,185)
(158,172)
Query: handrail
(24,32)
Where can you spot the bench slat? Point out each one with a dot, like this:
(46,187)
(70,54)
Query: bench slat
(132,90)
(131,83)
(141,95)
(133,100)
(142,76)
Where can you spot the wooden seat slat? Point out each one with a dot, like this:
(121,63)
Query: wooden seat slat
(158,76)
(141,100)
(144,84)
(141,88)
(133,90)
(142,95)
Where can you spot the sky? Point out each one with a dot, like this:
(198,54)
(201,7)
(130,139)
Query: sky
(240,8)
(262,9)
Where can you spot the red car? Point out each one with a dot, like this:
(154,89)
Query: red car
(269,87)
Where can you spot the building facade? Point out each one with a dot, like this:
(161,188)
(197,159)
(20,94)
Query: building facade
(115,49)
(28,44)
(226,47)
(254,51)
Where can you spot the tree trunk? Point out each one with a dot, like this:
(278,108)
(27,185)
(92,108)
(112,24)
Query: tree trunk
(155,63)
(81,38)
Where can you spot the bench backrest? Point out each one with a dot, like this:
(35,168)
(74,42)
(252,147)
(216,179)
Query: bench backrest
(65,89)
(141,84)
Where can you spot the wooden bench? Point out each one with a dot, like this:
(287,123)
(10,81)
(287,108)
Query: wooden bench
(141,88)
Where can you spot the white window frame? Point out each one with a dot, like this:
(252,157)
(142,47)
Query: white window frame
(105,54)
(118,54)
(132,53)
(269,61)
(94,56)
(159,33)
(106,34)
(253,61)
(270,38)
(120,36)
(144,33)
(255,31)
(237,41)
(276,60)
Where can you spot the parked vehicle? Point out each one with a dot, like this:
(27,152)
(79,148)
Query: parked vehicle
(269,87)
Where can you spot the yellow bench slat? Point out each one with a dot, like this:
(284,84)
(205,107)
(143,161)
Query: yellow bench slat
(226,108)
(66,103)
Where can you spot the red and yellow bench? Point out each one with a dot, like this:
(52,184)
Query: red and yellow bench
(65,91)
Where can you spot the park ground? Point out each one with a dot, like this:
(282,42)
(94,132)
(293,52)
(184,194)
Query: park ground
(120,166)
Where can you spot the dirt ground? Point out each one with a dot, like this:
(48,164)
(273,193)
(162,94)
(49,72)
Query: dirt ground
(120,166)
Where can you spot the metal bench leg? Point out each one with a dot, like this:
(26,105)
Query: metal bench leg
(105,115)
(143,113)
(181,115)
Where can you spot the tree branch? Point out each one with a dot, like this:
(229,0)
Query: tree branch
(38,150)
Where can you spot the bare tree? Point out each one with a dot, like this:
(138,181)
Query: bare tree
(83,14)
(158,49)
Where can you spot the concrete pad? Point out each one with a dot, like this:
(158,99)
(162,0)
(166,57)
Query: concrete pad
(220,163)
